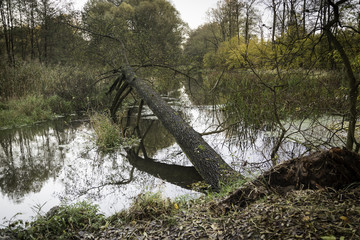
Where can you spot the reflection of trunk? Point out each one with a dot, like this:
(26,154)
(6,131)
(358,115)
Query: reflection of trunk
(175,174)
(204,158)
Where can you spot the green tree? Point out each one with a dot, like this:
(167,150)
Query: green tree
(142,31)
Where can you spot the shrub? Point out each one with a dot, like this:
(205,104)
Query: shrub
(108,134)
(63,222)
(149,206)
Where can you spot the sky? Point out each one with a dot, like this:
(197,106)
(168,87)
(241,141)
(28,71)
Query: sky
(192,12)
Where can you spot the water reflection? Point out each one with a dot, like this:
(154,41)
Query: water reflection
(54,163)
(29,157)
(182,176)
(58,162)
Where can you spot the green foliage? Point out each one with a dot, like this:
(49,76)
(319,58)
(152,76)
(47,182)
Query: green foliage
(30,109)
(150,31)
(225,189)
(35,92)
(141,32)
(149,206)
(108,134)
(201,41)
(63,222)
(251,100)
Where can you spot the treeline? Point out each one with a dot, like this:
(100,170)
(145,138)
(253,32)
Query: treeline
(296,36)
(49,50)
(37,29)
(301,64)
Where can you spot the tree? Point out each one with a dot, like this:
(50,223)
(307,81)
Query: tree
(148,31)
(352,80)
(207,162)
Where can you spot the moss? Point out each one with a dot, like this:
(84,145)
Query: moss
(201,147)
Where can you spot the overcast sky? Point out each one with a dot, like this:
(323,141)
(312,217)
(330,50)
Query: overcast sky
(192,12)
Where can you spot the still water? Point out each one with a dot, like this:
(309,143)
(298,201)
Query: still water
(57,162)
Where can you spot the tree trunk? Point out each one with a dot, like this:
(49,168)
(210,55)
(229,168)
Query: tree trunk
(207,162)
(353,84)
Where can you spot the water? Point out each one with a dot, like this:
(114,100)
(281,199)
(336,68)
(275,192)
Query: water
(57,162)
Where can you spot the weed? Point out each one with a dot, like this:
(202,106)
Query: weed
(63,222)
(108,134)
(149,206)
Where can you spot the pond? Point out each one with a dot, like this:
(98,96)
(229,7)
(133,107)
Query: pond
(57,162)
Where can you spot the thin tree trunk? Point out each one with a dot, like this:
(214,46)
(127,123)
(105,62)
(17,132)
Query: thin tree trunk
(353,84)
(274,21)
(207,162)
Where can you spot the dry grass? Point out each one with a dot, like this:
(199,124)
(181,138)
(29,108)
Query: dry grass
(307,214)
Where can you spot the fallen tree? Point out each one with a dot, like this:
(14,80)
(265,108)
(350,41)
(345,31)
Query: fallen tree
(206,161)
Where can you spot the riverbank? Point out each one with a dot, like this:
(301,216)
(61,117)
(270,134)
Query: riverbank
(305,214)
(31,109)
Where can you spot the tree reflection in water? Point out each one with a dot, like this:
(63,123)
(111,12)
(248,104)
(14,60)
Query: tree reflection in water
(53,163)
(58,162)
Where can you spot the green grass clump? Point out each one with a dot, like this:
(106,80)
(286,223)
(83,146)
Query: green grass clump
(148,206)
(108,134)
(32,108)
(65,222)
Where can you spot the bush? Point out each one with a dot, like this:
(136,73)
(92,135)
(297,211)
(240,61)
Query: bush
(148,206)
(108,134)
(62,222)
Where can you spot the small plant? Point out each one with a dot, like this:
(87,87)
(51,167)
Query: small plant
(108,134)
(151,206)
(63,222)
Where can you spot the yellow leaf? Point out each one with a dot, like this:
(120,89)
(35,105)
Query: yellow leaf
(306,219)
(133,222)
(345,219)
(176,206)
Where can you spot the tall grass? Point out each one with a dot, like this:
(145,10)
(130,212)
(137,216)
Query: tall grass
(33,92)
(63,222)
(108,134)
(253,99)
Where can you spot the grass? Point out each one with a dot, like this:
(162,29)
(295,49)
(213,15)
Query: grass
(108,135)
(63,222)
(306,214)
(32,108)
(31,92)
(147,207)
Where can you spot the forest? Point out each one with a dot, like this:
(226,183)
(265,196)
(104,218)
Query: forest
(302,65)
(287,67)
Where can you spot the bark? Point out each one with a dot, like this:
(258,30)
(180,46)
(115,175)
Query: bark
(206,161)
(274,8)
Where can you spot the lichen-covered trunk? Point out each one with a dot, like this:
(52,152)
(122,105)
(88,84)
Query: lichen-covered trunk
(207,162)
